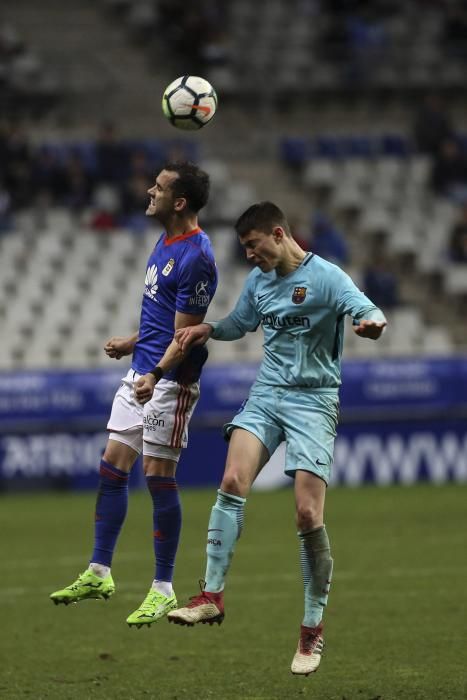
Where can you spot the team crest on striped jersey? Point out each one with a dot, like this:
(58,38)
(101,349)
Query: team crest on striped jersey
(299,294)
(168,268)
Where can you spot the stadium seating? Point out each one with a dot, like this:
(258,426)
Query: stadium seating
(66,288)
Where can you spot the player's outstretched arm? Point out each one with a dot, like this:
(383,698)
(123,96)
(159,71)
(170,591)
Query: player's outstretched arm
(119,346)
(144,387)
(192,335)
(366,328)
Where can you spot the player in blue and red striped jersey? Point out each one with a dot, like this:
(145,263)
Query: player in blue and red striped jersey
(157,397)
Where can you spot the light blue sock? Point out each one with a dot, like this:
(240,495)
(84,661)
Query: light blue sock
(224,529)
(316,562)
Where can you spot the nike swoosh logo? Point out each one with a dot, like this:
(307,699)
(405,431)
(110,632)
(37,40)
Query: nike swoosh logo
(320,464)
(201,108)
(261,296)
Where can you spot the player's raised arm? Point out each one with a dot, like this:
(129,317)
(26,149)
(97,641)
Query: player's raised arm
(192,335)
(241,320)
(244,318)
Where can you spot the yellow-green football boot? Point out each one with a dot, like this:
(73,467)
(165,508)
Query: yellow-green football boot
(87,585)
(153,607)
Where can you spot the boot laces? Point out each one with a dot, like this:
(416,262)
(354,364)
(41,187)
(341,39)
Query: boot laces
(309,640)
(201,598)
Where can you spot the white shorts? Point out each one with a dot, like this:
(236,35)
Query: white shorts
(158,428)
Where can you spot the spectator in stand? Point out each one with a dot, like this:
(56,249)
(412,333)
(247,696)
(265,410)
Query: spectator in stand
(134,196)
(354,37)
(105,209)
(300,235)
(457,248)
(17,166)
(134,192)
(368,42)
(380,282)
(449,173)
(432,125)
(139,165)
(48,176)
(6,223)
(327,241)
(454,32)
(78,184)
(111,156)
(204,24)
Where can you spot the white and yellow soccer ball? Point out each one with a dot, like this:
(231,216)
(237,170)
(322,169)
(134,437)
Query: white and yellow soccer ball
(189,102)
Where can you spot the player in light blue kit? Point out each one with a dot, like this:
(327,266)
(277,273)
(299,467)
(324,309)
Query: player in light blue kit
(154,404)
(301,301)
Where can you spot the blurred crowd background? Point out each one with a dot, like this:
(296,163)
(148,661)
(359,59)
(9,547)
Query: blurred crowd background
(349,114)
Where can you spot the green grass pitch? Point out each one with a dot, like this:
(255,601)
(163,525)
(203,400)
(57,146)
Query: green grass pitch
(396,624)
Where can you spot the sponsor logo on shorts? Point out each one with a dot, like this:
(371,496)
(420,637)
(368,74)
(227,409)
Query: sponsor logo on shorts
(152,422)
(273,321)
(200,297)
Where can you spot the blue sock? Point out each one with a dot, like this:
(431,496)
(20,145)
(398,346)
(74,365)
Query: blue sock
(111,507)
(167,520)
(224,529)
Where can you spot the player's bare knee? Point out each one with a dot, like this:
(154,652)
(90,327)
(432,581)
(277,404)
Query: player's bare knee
(119,456)
(155,466)
(308,517)
(234,483)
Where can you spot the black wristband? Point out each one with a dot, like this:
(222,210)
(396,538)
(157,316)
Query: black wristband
(157,372)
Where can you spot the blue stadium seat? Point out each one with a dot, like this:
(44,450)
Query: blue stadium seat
(395,145)
(294,151)
(357,146)
(462,141)
(189,149)
(327,147)
(86,150)
(59,150)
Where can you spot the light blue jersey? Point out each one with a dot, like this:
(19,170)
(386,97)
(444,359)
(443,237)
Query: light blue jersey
(302,315)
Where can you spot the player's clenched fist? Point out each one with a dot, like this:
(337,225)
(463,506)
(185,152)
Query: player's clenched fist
(117,347)
(144,388)
(370,329)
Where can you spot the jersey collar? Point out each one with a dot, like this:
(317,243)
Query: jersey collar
(182,236)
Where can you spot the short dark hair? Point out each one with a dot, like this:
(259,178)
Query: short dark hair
(263,216)
(192,183)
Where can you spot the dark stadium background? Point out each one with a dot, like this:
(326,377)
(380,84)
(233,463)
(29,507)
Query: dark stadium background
(351,116)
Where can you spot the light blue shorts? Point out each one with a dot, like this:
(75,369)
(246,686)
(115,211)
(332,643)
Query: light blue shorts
(306,419)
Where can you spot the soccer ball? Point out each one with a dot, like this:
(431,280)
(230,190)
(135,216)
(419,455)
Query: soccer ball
(189,102)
